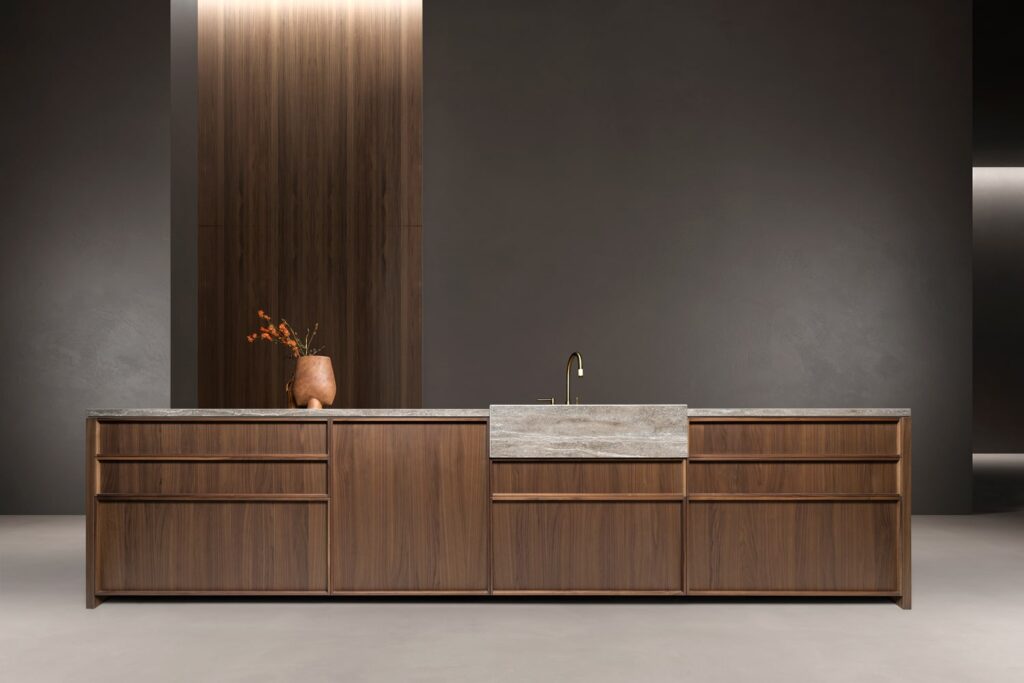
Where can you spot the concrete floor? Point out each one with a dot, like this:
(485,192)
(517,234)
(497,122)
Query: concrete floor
(967,625)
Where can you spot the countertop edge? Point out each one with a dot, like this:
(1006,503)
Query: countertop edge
(288,413)
(798,412)
(110,413)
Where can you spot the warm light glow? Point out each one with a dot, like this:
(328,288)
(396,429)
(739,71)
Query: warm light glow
(282,4)
(999,175)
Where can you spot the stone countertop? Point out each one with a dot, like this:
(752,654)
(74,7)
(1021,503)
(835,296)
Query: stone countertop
(798,412)
(186,413)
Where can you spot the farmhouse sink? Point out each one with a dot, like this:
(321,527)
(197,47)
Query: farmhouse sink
(588,431)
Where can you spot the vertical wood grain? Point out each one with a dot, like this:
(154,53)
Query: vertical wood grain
(409,505)
(310,174)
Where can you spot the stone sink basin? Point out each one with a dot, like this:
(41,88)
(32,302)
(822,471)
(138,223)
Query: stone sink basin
(588,431)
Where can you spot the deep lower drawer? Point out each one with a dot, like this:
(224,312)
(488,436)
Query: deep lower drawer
(211,546)
(587,547)
(792,547)
(182,478)
(792,477)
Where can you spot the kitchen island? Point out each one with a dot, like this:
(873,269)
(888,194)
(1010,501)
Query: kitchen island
(511,500)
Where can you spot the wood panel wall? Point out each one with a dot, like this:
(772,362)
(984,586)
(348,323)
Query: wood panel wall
(310,185)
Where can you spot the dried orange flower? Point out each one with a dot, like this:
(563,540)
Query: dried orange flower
(283,333)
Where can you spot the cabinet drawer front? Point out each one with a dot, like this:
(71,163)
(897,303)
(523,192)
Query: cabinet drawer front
(230,547)
(792,477)
(767,438)
(587,477)
(213,438)
(792,547)
(182,478)
(587,547)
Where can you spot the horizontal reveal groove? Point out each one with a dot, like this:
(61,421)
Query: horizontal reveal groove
(793,497)
(213,497)
(588,497)
(222,457)
(213,593)
(606,593)
(767,457)
(405,419)
(406,594)
(225,419)
(784,593)
(811,420)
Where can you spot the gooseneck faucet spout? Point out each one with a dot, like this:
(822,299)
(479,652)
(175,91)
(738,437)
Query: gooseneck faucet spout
(568,374)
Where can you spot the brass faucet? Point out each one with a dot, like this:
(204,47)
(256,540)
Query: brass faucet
(568,370)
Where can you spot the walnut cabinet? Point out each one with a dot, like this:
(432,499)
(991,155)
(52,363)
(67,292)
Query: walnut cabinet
(324,506)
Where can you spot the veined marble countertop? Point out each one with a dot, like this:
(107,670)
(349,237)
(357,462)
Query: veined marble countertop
(588,431)
(288,412)
(799,412)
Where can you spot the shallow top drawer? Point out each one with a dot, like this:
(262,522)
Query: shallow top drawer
(212,438)
(154,477)
(795,478)
(586,477)
(779,438)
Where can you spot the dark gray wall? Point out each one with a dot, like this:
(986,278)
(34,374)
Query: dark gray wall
(723,204)
(84,236)
(184,205)
(998,309)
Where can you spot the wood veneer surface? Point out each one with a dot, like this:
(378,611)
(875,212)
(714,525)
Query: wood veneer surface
(409,507)
(586,477)
(764,546)
(211,546)
(213,477)
(819,438)
(309,186)
(587,546)
(212,438)
(792,477)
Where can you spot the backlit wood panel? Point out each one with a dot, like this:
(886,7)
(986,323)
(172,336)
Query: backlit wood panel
(310,199)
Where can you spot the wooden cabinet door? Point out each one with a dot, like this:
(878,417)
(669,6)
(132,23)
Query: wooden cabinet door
(409,507)
(754,547)
(575,546)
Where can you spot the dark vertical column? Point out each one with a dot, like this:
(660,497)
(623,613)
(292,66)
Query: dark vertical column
(184,259)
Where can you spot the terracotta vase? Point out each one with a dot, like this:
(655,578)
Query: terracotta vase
(313,385)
